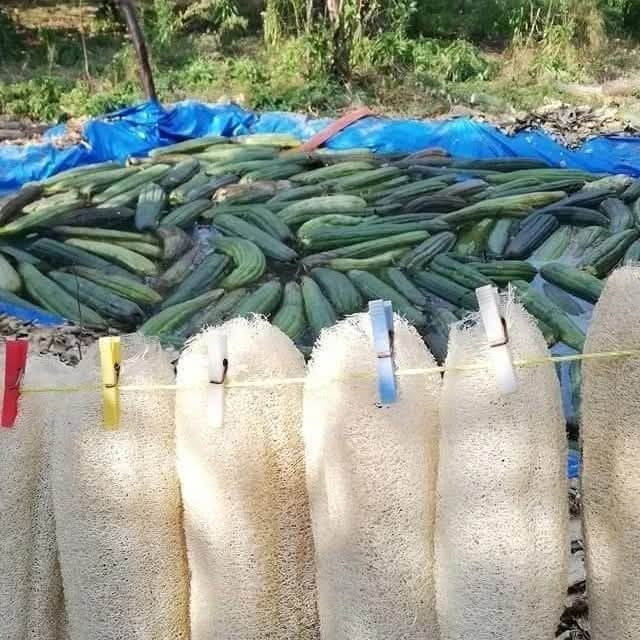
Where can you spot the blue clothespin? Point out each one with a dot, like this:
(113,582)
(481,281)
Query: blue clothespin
(381,315)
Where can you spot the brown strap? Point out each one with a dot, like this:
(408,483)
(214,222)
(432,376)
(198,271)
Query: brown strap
(335,127)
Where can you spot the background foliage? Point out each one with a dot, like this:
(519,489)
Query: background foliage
(61,60)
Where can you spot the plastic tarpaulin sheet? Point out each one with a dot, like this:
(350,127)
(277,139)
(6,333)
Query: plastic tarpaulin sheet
(136,130)
(129,132)
(41,318)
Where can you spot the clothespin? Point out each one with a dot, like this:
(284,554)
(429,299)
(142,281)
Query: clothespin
(381,315)
(110,363)
(496,329)
(15,364)
(218,365)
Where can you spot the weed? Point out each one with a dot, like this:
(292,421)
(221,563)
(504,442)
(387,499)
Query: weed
(162,22)
(420,56)
(199,72)
(39,98)
(283,18)
(555,41)
(456,62)
(222,15)
(83,99)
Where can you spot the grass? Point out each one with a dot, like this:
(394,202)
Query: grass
(71,63)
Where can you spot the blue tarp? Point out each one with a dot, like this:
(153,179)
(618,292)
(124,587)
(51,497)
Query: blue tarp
(136,130)
(41,318)
(573,464)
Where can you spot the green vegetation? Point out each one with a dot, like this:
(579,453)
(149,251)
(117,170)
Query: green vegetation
(318,56)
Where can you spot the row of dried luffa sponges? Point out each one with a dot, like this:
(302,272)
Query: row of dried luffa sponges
(312,511)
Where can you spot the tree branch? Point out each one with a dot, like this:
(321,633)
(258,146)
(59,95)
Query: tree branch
(128,10)
(83,40)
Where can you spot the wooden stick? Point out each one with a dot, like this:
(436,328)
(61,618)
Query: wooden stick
(128,10)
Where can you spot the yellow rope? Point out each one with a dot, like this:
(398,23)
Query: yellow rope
(277,382)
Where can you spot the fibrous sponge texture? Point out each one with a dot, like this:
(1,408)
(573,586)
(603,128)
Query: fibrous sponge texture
(371,474)
(611,449)
(501,534)
(117,503)
(246,510)
(31,606)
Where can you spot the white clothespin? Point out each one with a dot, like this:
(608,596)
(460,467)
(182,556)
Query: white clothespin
(218,364)
(496,330)
(381,315)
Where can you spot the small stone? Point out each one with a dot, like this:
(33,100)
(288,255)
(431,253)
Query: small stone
(11,134)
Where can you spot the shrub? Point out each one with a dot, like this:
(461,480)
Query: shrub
(455,62)
(37,98)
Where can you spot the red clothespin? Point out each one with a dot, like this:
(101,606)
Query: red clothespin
(15,364)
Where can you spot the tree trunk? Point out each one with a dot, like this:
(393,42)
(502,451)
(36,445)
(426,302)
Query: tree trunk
(341,53)
(128,9)
(334,9)
(341,45)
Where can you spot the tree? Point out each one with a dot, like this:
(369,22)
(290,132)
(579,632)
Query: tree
(128,9)
(341,40)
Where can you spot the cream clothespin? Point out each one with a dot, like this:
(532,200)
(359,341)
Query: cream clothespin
(497,337)
(217,365)
(381,315)
(110,363)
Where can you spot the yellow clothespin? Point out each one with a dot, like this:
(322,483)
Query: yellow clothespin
(110,357)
